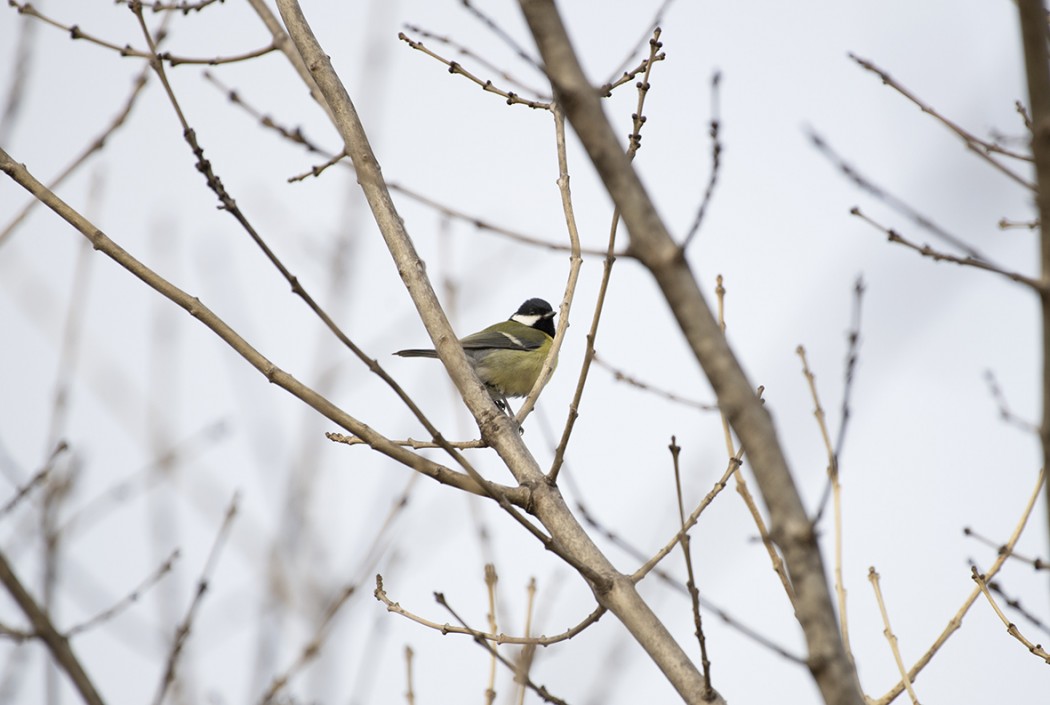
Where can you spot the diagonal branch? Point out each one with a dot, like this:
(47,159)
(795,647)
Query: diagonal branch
(652,243)
(56,643)
(267,368)
(568,540)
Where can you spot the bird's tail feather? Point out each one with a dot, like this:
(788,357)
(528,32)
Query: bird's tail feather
(416,353)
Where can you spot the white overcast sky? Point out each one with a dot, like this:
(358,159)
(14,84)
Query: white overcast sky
(926,453)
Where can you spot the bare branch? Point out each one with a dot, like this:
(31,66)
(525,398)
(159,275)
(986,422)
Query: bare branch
(75,32)
(980,147)
(471,54)
(128,600)
(716,163)
(481,224)
(36,480)
(633,145)
(1006,550)
(956,621)
(93,148)
(833,477)
(690,583)
(56,642)
(621,375)
(887,631)
(651,241)
(455,67)
(890,200)
(938,256)
(484,644)
(445,628)
(1011,628)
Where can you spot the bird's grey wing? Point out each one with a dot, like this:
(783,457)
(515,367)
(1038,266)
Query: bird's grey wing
(500,340)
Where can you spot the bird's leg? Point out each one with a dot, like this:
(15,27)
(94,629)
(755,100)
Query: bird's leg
(504,405)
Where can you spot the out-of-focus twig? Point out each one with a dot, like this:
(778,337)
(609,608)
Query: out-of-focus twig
(55,641)
(182,631)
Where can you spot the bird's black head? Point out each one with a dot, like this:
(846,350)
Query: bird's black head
(536,313)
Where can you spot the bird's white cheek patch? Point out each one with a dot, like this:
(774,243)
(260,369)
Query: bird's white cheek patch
(524,320)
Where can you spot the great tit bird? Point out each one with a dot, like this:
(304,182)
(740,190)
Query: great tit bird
(508,356)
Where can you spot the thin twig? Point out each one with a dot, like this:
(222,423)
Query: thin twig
(491,578)
(890,200)
(848,375)
(312,649)
(887,631)
(182,631)
(407,443)
(1007,551)
(690,584)
(606,89)
(716,162)
(528,651)
(654,24)
(183,6)
(101,505)
(1004,408)
(1015,604)
(20,69)
(621,376)
(634,144)
(410,694)
(454,67)
(480,640)
(75,32)
(494,27)
(275,375)
(295,136)
(836,493)
(38,477)
(445,628)
(978,146)
(956,621)
(575,261)
(1007,224)
(128,600)
(230,205)
(688,524)
(1011,628)
(92,148)
(742,487)
(471,54)
(849,372)
(57,644)
(482,224)
(975,261)
(319,169)
(650,564)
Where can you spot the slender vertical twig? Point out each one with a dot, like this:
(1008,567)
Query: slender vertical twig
(694,591)
(182,631)
(836,493)
(410,694)
(490,590)
(634,144)
(887,631)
